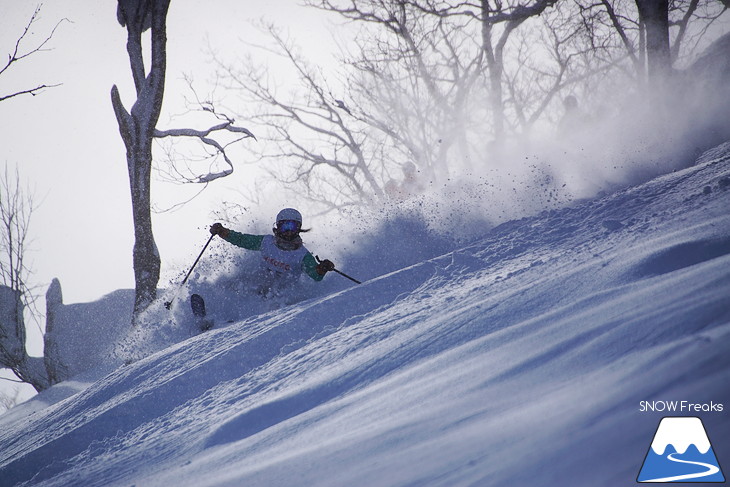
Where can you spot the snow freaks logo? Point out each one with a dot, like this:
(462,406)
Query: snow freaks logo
(680,452)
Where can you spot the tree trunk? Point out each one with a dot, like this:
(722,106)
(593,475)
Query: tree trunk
(495,69)
(146,258)
(137,130)
(654,19)
(12,342)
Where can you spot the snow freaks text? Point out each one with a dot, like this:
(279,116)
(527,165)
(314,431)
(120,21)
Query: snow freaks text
(680,407)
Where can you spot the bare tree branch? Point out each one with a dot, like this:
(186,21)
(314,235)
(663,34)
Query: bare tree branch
(215,147)
(18,54)
(32,91)
(203,136)
(316,133)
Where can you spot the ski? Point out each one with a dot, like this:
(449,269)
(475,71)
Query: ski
(198,306)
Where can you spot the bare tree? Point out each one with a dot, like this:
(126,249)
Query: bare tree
(20,53)
(558,56)
(408,97)
(428,81)
(312,129)
(659,17)
(413,78)
(510,17)
(16,208)
(16,294)
(138,128)
(652,34)
(493,23)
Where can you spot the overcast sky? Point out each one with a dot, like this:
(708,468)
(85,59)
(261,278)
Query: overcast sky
(66,141)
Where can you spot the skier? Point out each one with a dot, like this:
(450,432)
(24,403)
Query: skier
(283,255)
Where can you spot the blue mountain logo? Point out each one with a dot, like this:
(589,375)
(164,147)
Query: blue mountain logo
(680,452)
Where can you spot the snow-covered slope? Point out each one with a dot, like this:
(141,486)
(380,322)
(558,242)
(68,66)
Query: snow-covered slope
(522,359)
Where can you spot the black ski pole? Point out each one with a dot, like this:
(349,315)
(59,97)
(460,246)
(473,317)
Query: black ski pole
(341,273)
(345,275)
(169,303)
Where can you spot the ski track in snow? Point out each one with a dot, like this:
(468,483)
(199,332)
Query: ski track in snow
(517,360)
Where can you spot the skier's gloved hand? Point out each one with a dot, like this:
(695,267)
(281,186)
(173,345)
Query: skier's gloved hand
(325,266)
(218,229)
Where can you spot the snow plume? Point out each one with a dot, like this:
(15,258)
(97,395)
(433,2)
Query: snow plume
(365,243)
(618,138)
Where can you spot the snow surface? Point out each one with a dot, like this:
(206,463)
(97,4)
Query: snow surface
(520,359)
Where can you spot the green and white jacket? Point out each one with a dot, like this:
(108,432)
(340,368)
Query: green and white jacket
(288,263)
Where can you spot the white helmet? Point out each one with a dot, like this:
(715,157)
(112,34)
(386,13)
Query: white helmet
(289,214)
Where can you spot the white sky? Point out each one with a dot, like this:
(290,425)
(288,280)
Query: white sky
(66,140)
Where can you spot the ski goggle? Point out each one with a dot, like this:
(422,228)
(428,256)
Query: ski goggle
(288,226)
